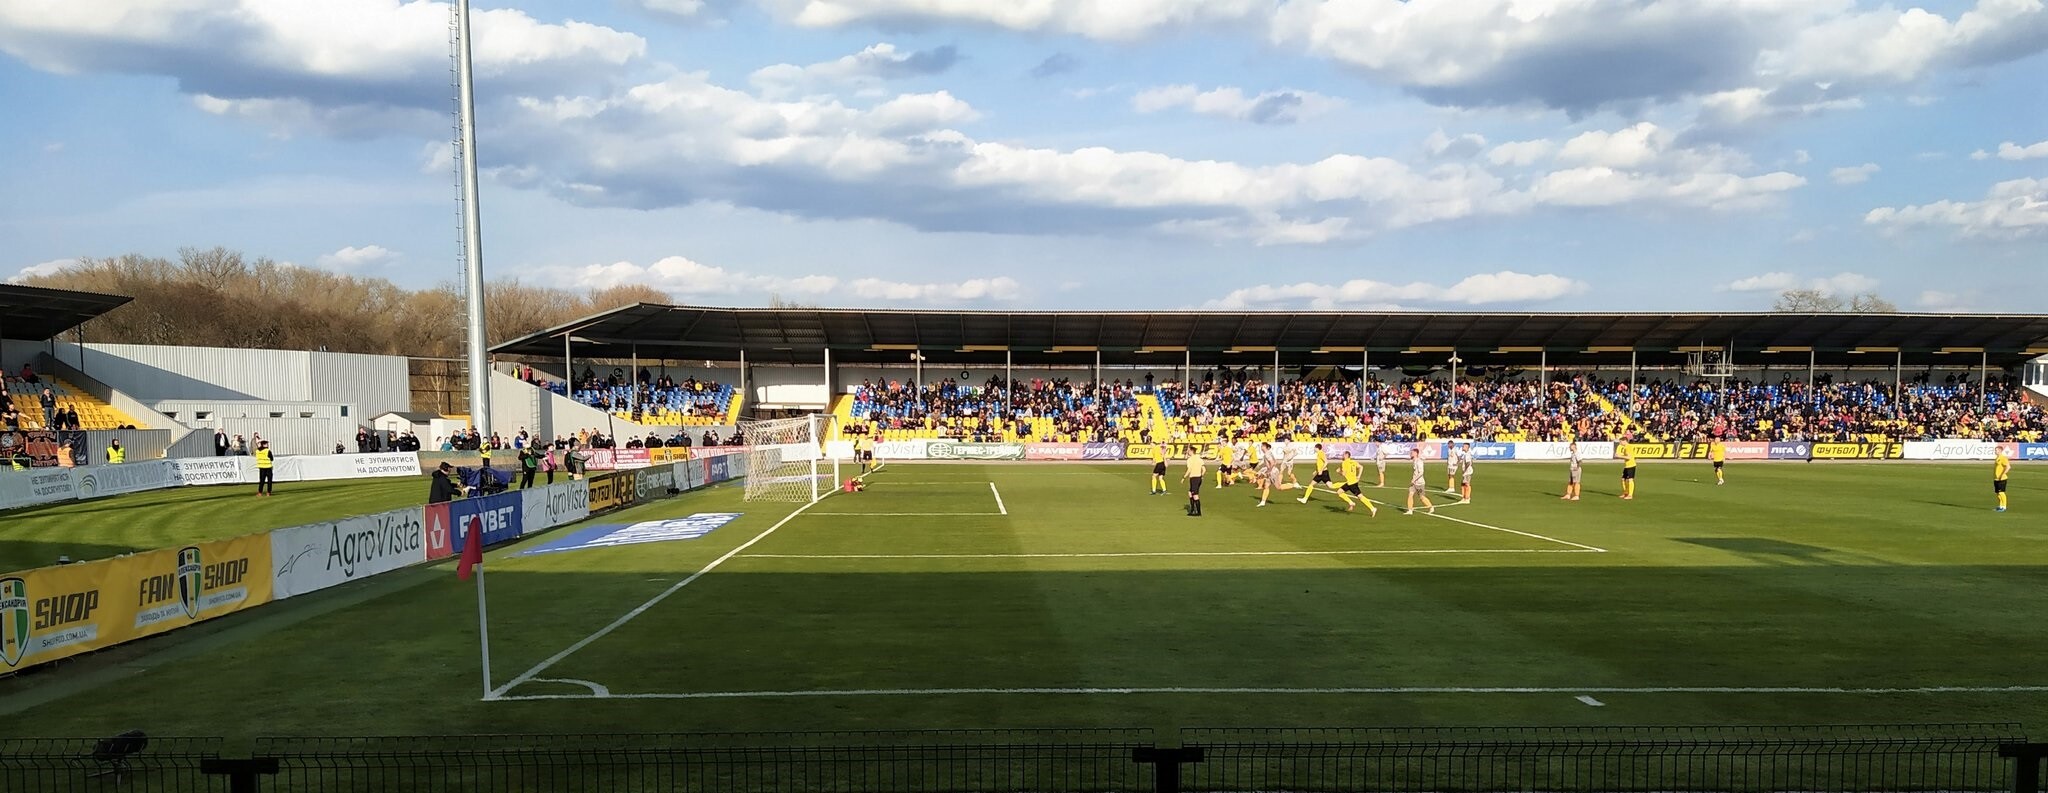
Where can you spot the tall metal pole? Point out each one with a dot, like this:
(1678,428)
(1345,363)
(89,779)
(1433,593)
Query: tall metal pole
(568,368)
(472,232)
(1276,379)
(1983,380)
(1811,358)
(1631,380)
(1543,370)
(1898,376)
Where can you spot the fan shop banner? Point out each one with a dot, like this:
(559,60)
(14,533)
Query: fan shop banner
(52,613)
(543,508)
(317,556)
(212,471)
(1957,449)
(37,486)
(1859,451)
(114,480)
(954,450)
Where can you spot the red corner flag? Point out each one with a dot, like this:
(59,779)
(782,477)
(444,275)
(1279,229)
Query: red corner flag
(472,549)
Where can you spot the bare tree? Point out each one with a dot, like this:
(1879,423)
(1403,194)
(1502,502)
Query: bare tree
(1807,301)
(1871,303)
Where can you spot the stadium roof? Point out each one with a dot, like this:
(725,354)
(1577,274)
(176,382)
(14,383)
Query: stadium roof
(36,314)
(800,335)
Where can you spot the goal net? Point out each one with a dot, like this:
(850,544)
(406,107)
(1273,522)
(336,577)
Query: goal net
(786,459)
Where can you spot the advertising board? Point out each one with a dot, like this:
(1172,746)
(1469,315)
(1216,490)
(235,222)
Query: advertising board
(543,508)
(114,480)
(1890,450)
(317,556)
(51,613)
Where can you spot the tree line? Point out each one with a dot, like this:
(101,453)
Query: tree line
(216,297)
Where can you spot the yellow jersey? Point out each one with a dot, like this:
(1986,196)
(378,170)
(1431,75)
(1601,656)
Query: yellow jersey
(1158,454)
(2001,468)
(1352,469)
(1718,451)
(1225,452)
(1322,461)
(1628,456)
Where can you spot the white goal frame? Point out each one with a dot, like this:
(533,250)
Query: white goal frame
(788,458)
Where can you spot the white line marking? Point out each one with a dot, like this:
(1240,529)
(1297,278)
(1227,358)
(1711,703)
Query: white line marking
(1591,701)
(499,692)
(927,692)
(1117,555)
(1513,531)
(904,515)
(999,498)
(596,691)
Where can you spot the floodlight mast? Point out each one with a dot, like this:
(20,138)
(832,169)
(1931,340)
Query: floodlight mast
(472,229)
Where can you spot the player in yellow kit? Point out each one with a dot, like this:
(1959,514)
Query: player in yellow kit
(2001,470)
(1719,452)
(1353,470)
(1226,454)
(1628,471)
(1158,470)
(1322,476)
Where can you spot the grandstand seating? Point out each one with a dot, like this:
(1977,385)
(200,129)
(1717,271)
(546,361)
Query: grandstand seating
(692,404)
(93,412)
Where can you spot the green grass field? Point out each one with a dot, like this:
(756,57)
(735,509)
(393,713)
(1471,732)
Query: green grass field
(1063,595)
(37,536)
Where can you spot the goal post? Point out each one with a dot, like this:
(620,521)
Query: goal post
(787,459)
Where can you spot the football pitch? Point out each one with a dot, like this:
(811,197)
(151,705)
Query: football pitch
(1023,595)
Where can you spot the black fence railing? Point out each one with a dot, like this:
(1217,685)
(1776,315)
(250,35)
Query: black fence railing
(1886,759)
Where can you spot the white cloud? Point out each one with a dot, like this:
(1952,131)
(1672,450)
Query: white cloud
(1521,152)
(1443,146)
(679,9)
(1285,106)
(1853,174)
(1803,236)
(44,268)
(356,258)
(864,70)
(332,55)
(2012,209)
(1946,302)
(1121,19)
(1844,283)
(694,280)
(1506,286)
(2013,151)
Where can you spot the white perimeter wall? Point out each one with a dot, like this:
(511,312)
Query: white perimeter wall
(373,384)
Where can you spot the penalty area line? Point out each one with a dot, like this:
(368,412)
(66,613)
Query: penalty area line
(530,674)
(1263,690)
(999,499)
(1579,546)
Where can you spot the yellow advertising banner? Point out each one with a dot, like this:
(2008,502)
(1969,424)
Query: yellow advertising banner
(668,454)
(56,612)
(1653,451)
(1859,451)
(1174,451)
(613,490)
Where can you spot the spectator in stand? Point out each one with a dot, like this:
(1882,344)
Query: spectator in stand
(710,440)
(28,375)
(241,447)
(548,464)
(220,443)
(9,416)
(49,401)
(339,448)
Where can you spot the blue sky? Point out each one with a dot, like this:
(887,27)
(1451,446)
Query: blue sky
(1141,154)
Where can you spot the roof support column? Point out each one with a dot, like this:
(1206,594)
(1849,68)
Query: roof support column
(746,398)
(1276,379)
(828,377)
(1898,378)
(1098,374)
(1811,357)
(1009,388)
(568,368)
(1543,369)
(633,380)
(1187,370)
(1631,381)
(1364,377)
(1984,380)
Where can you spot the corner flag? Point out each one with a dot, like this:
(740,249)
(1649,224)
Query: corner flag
(472,550)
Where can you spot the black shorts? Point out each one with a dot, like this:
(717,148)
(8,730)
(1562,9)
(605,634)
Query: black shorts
(1321,478)
(1228,469)
(1159,469)
(1195,486)
(1997,485)
(1351,489)
(1628,473)
(1720,464)
(867,456)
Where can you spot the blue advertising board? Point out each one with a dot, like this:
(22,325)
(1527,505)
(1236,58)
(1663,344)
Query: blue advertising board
(500,515)
(720,471)
(614,535)
(1791,450)
(1493,451)
(2033,451)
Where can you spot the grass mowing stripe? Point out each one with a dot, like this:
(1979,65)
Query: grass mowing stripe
(642,608)
(1397,690)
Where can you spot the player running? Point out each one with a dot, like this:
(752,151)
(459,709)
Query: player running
(1226,454)
(1453,460)
(1322,474)
(1353,470)
(1628,472)
(1268,475)
(1379,453)
(1158,470)
(1465,473)
(2001,470)
(1193,475)
(1719,452)
(1571,486)
(1418,485)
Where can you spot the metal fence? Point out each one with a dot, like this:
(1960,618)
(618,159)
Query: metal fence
(1889,759)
